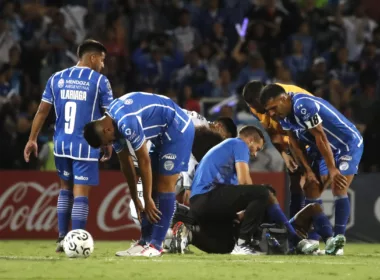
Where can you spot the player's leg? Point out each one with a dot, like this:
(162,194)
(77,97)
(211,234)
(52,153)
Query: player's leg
(86,175)
(297,197)
(348,166)
(65,198)
(313,214)
(174,155)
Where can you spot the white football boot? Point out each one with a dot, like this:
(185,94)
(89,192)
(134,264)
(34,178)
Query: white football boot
(149,251)
(244,250)
(306,247)
(134,249)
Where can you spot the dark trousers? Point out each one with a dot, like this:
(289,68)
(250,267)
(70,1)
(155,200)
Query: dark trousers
(215,213)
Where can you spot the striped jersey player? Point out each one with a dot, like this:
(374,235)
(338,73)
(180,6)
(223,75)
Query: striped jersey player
(138,117)
(79,94)
(336,146)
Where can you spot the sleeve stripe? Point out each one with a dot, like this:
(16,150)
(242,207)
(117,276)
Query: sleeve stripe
(47,101)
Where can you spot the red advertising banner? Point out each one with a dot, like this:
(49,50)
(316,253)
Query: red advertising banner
(28,202)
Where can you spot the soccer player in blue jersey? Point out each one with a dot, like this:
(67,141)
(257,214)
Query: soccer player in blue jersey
(336,146)
(222,187)
(138,117)
(79,94)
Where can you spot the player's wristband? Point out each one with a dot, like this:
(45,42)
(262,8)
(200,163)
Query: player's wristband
(188,188)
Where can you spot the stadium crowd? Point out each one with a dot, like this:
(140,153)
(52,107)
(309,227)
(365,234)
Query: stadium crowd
(190,50)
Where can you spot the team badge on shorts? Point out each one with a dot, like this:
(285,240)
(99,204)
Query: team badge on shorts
(168,165)
(343,166)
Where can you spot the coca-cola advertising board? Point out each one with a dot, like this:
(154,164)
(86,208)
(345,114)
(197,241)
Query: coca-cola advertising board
(28,205)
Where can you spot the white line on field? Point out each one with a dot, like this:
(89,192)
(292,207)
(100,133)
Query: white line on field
(331,261)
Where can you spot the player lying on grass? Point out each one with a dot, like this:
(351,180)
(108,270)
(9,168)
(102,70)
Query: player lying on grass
(335,145)
(222,187)
(138,117)
(79,94)
(221,240)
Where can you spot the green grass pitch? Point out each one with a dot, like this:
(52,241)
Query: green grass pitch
(37,260)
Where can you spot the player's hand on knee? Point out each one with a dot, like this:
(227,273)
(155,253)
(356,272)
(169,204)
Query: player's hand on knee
(311,178)
(151,211)
(290,163)
(139,208)
(339,181)
(186,197)
(107,153)
(31,147)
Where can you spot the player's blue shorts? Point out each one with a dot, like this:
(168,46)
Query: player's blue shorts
(346,162)
(81,172)
(172,155)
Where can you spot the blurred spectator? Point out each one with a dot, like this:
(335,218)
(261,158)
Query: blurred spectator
(155,65)
(370,58)
(219,41)
(376,38)
(224,86)
(14,21)
(209,16)
(209,60)
(187,36)
(74,19)
(297,62)
(255,70)
(56,42)
(345,71)
(6,40)
(308,44)
(317,77)
(358,29)
(6,74)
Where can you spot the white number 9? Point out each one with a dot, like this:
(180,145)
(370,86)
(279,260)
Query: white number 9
(70,113)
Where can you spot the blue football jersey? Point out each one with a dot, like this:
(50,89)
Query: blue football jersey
(78,95)
(144,116)
(310,111)
(218,165)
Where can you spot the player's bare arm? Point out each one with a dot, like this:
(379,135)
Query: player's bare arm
(38,122)
(146,177)
(324,148)
(107,150)
(242,170)
(299,153)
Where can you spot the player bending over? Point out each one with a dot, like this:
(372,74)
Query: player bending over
(279,138)
(336,146)
(222,187)
(78,95)
(138,117)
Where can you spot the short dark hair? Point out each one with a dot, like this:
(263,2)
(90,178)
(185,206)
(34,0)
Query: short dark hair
(269,92)
(91,135)
(90,45)
(228,125)
(252,131)
(251,91)
(204,140)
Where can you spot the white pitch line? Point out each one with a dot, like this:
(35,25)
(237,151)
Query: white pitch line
(163,260)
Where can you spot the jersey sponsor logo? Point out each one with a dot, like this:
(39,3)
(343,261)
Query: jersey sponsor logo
(344,166)
(169,156)
(128,132)
(168,165)
(61,83)
(128,101)
(81,178)
(345,158)
(73,94)
(303,111)
(77,82)
(65,173)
